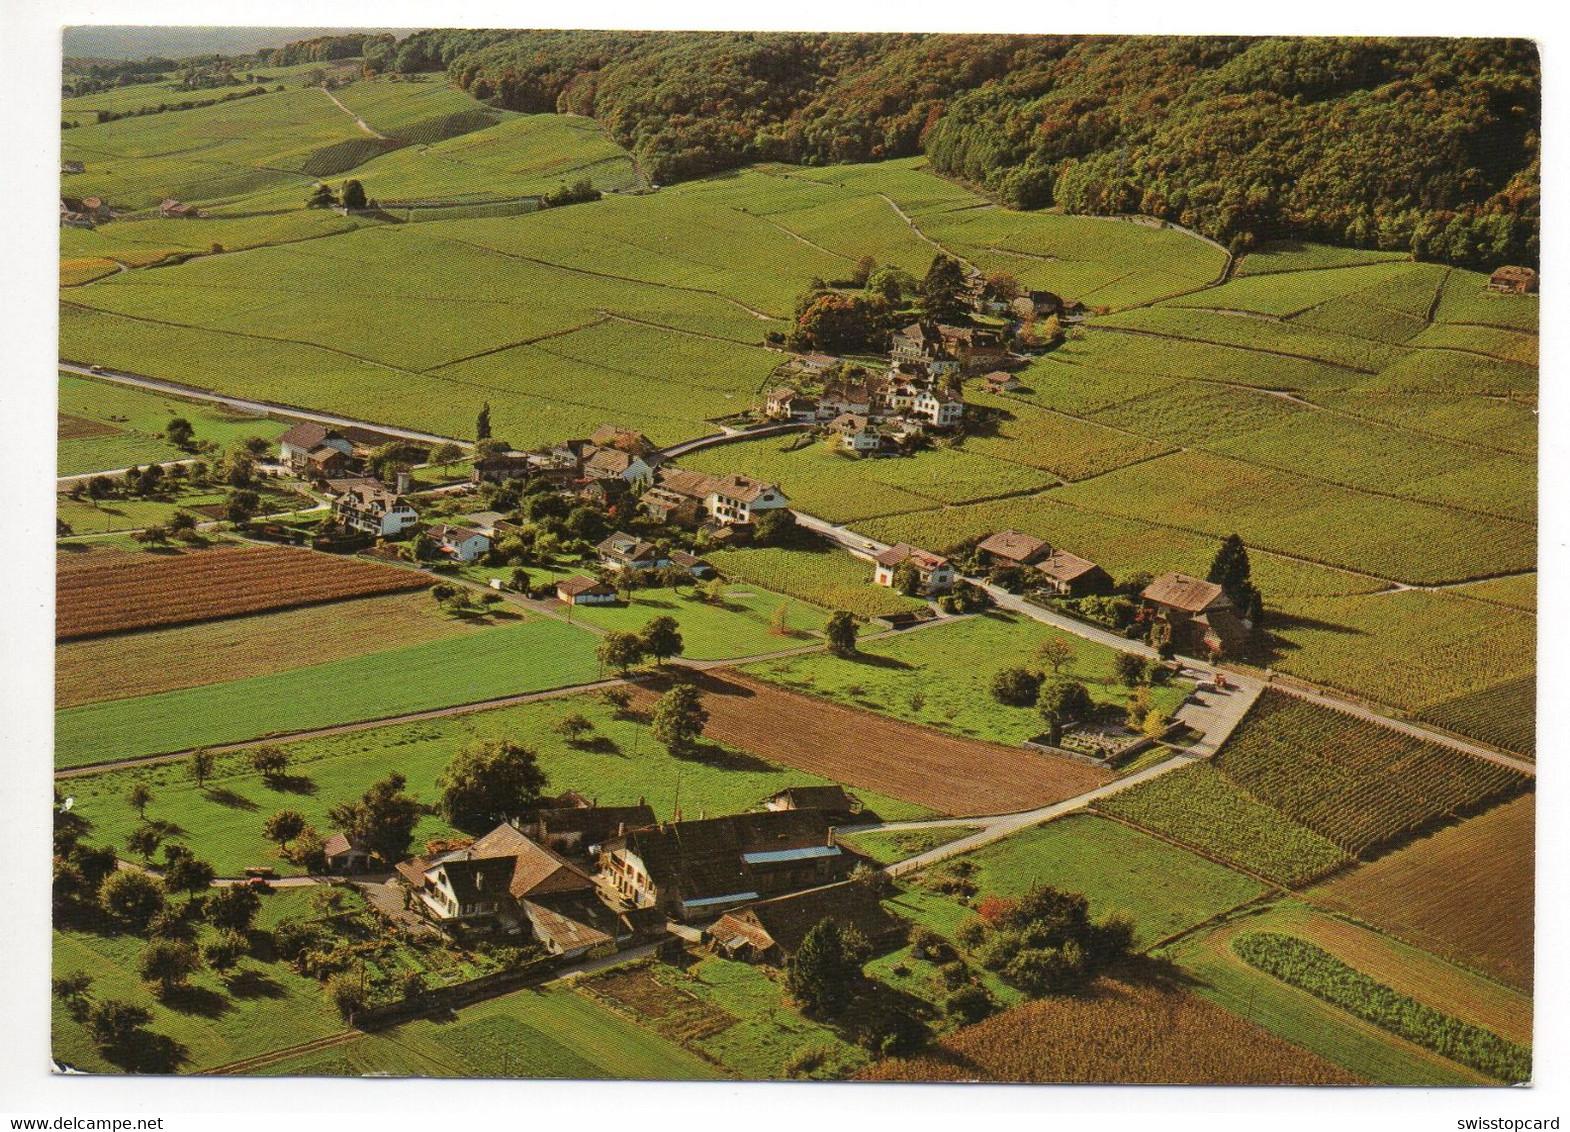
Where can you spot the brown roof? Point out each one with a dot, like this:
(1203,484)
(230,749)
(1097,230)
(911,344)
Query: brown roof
(627,546)
(697,485)
(565,932)
(596,823)
(457,534)
(689,561)
(474,878)
(704,858)
(901,552)
(1016,546)
(578,584)
(608,461)
(305,435)
(833,799)
(1191,595)
(1065,567)
(536,871)
(1509,271)
(336,845)
(626,439)
(785,920)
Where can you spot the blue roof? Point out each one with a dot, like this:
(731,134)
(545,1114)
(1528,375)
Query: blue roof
(772,856)
(720,899)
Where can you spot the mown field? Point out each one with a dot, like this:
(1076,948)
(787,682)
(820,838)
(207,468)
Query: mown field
(515,656)
(104,426)
(1465,892)
(617,763)
(825,576)
(742,626)
(1115,1033)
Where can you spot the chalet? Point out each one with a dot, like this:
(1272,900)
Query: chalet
(613,463)
(694,869)
(568,829)
(464,544)
(1072,576)
(998,381)
(171,209)
(790,405)
(371,508)
(835,801)
(345,856)
(856,433)
(697,567)
(770,931)
(579,590)
(976,349)
(1011,548)
(626,551)
(728,499)
(297,446)
(935,571)
(507,882)
(69,167)
(941,410)
(1513,280)
(1193,615)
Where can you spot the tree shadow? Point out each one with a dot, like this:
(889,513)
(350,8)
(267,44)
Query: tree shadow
(148,1052)
(291,784)
(197,1000)
(254,984)
(877,660)
(1269,646)
(234,800)
(598,744)
(721,758)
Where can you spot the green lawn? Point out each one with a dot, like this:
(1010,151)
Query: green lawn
(740,627)
(536,653)
(826,576)
(617,764)
(1164,888)
(896,845)
(941,676)
(87,518)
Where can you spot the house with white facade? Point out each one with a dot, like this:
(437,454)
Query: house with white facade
(464,544)
(936,572)
(369,507)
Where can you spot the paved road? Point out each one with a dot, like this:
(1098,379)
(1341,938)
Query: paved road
(358,121)
(63,483)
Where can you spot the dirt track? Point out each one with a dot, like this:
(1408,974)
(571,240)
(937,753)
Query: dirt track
(963,777)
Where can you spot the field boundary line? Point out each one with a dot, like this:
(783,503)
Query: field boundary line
(916,228)
(1359,370)
(561,332)
(1197,851)
(272,1057)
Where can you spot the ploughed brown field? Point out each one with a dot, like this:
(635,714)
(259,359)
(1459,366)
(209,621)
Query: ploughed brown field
(80,428)
(1115,1033)
(1465,893)
(950,774)
(112,594)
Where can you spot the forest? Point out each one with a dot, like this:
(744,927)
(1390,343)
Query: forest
(1422,145)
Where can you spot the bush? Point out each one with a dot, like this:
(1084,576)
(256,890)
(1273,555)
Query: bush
(1016,687)
(808,1060)
(954,973)
(343,991)
(969,1003)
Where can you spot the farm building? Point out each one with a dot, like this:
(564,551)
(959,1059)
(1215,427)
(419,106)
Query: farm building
(770,931)
(924,343)
(1036,304)
(694,869)
(1513,280)
(1011,548)
(579,590)
(505,466)
(697,567)
(627,440)
(936,573)
(626,551)
(835,801)
(1195,615)
(999,381)
(582,828)
(506,882)
(666,506)
(297,446)
(975,348)
(69,167)
(370,507)
(1072,576)
(171,209)
(790,405)
(728,499)
(464,544)
(816,363)
(345,856)
(856,433)
(614,464)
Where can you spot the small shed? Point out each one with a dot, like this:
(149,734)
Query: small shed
(345,856)
(1513,280)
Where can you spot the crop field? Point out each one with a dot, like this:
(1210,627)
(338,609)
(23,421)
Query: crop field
(742,626)
(512,658)
(1295,256)
(1283,294)
(1117,1033)
(1466,299)
(127,425)
(1220,975)
(941,772)
(1360,785)
(115,595)
(213,652)
(87,518)
(825,576)
(1201,807)
(1069,448)
(941,675)
(1464,893)
(1504,714)
(618,763)
(135,96)
(1356,354)
(1506,345)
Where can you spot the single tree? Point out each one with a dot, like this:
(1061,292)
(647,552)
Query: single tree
(661,639)
(353,194)
(224,951)
(283,827)
(619,650)
(1231,571)
(1131,669)
(200,763)
(132,898)
(346,993)
(445,454)
(322,196)
(167,963)
(1016,687)
(1060,702)
(907,579)
(841,631)
(519,579)
(617,698)
(71,989)
(574,727)
(139,797)
(185,872)
(482,423)
(241,505)
(863,270)
(179,432)
(1155,725)
(144,841)
(269,761)
(232,907)
(678,718)
(942,290)
(1055,653)
(779,620)
(383,819)
(822,976)
(115,1025)
(489,782)
(1139,706)
(774,526)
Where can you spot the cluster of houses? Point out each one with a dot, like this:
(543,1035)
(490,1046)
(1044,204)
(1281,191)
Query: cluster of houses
(610,462)
(577,878)
(89,212)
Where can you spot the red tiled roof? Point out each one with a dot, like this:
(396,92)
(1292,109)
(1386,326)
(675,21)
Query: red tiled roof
(1191,595)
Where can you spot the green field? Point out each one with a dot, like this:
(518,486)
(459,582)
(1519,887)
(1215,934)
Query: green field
(618,763)
(540,652)
(825,576)
(941,676)
(1202,808)
(896,845)
(130,424)
(742,626)
(1165,889)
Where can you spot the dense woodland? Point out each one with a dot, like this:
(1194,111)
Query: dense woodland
(1421,144)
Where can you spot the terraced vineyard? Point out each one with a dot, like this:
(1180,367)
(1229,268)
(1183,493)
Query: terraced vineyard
(1361,786)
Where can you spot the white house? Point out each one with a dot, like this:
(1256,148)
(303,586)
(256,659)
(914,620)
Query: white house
(857,433)
(581,590)
(935,571)
(371,508)
(727,499)
(296,445)
(463,543)
(939,409)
